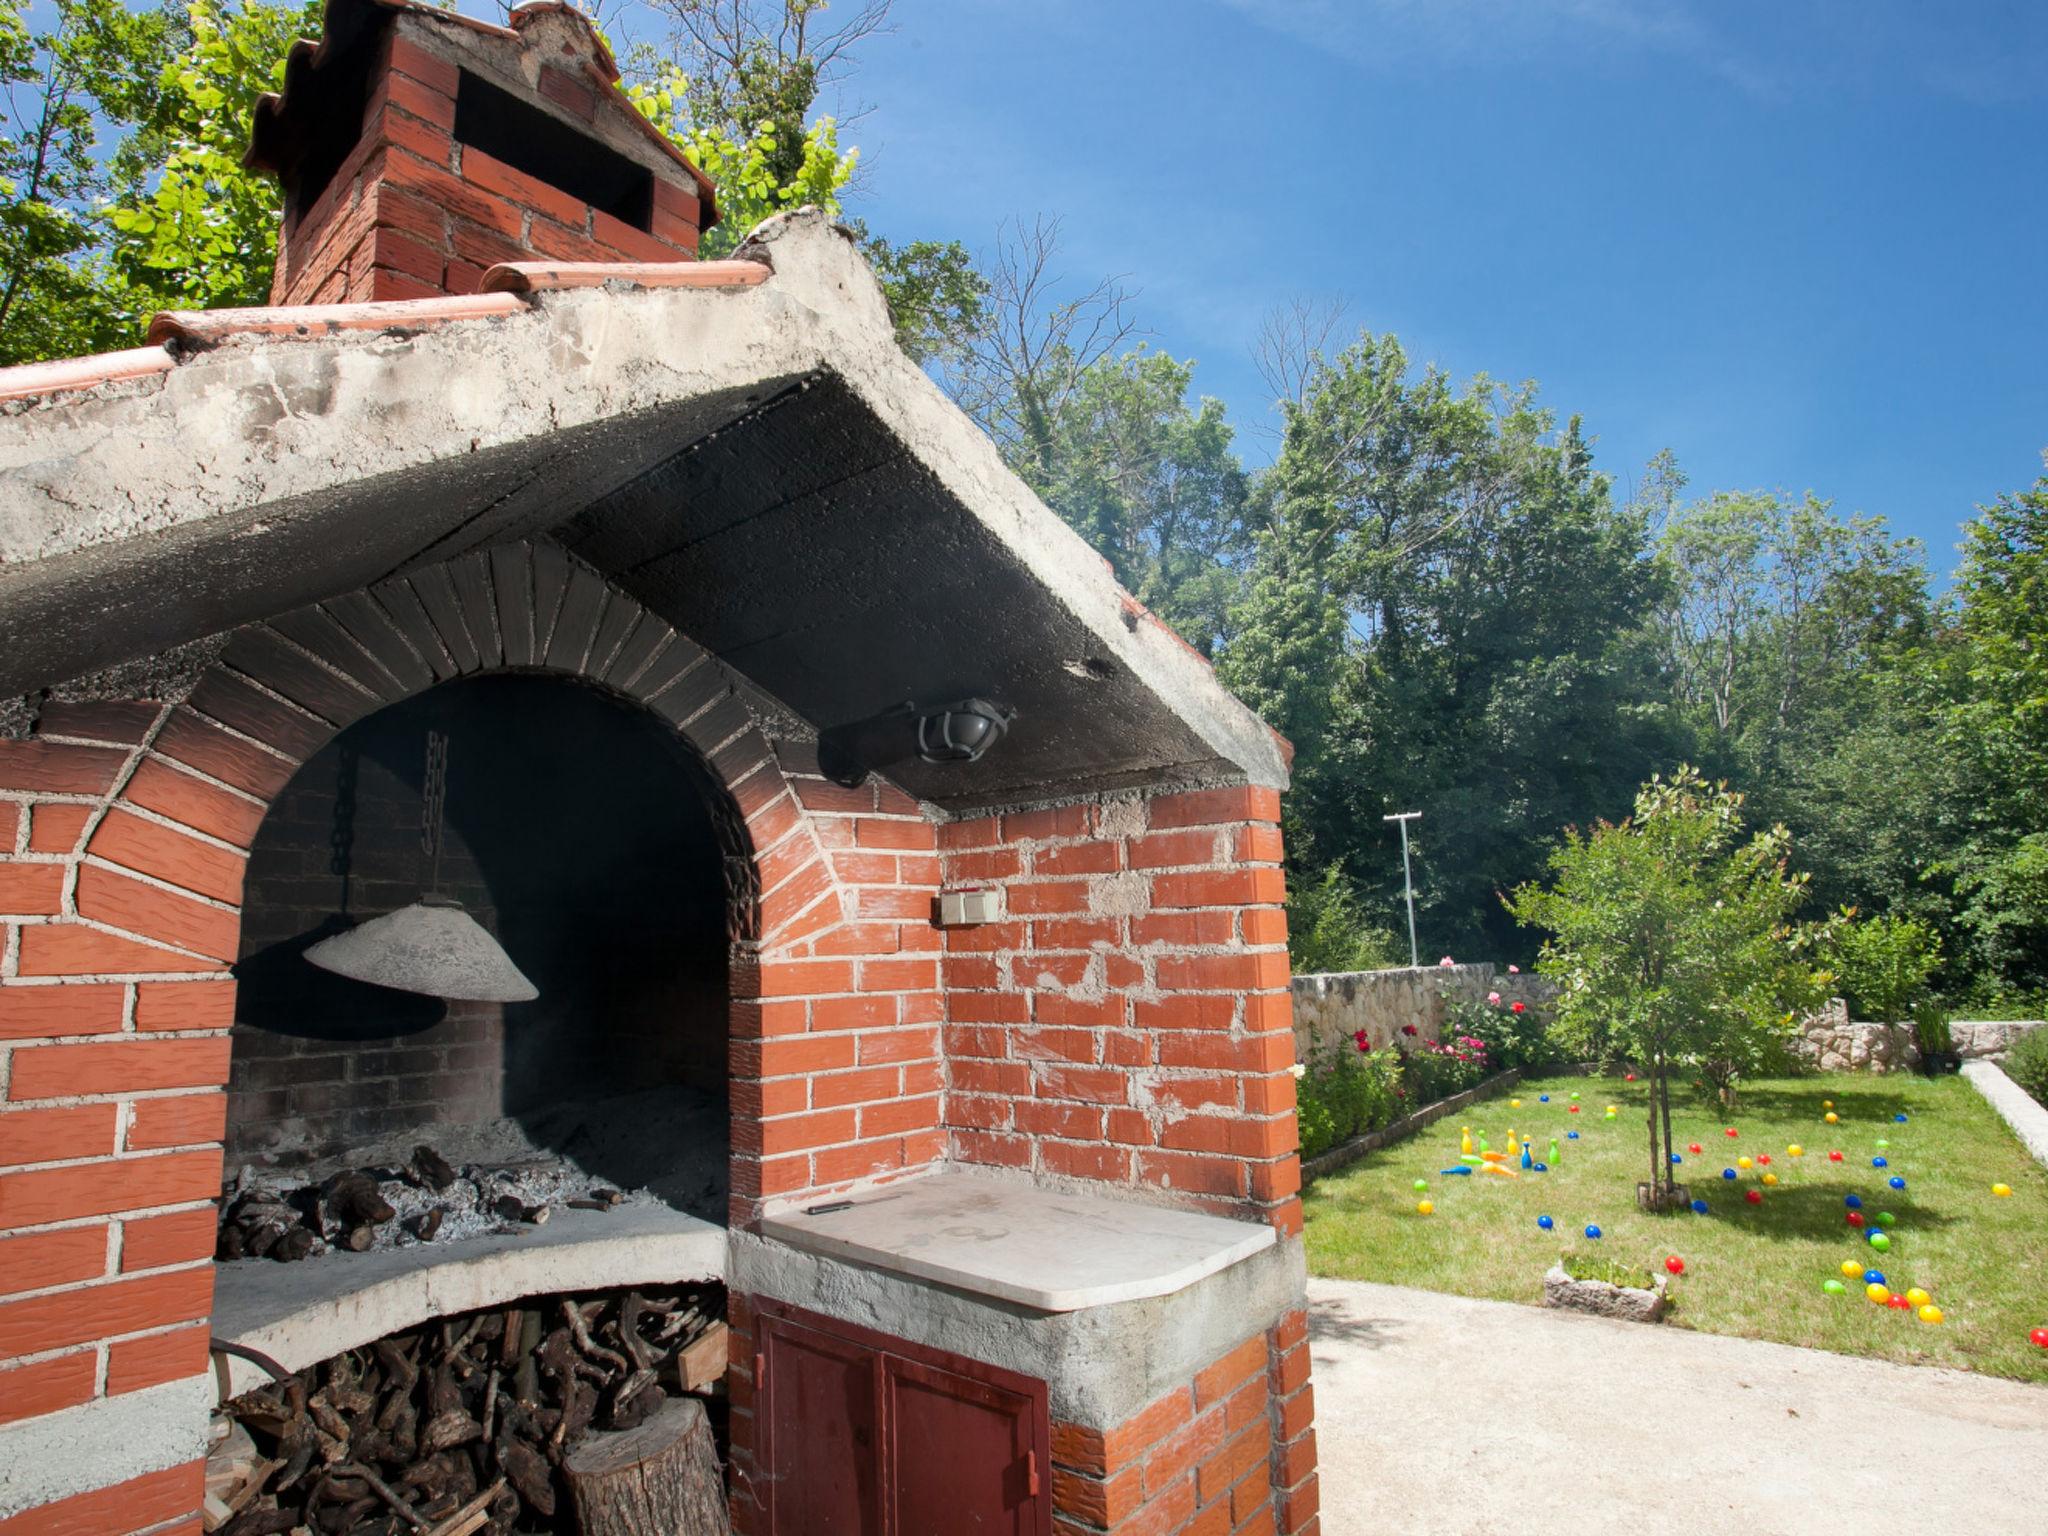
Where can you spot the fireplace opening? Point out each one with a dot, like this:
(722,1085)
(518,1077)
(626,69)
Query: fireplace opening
(577,832)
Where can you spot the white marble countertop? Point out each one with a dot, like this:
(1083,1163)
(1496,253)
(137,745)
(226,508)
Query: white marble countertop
(1055,1250)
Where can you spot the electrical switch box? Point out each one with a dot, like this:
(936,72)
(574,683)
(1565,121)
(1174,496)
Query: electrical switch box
(964,909)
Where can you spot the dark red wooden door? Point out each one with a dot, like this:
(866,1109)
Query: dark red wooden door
(822,1441)
(865,1435)
(961,1454)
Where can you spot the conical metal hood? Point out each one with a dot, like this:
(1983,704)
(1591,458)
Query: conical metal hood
(431,947)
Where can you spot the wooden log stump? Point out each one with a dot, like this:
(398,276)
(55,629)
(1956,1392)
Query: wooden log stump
(660,1478)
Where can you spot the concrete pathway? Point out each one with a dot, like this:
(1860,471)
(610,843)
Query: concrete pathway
(1446,1416)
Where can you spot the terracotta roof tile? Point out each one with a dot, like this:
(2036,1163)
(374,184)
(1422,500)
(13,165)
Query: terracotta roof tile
(31,379)
(546,276)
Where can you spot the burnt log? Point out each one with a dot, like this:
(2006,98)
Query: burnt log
(658,1479)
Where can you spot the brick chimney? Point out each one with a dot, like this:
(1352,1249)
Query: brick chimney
(416,148)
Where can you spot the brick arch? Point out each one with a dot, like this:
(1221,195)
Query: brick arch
(284,687)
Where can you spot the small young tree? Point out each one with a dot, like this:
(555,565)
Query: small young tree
(1885,963)
(1672,937)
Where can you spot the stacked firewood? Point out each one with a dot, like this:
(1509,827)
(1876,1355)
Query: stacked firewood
(363,1208)
(462,1426)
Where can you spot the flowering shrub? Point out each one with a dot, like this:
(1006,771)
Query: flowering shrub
(1515,1036)
(1347,1092)
(1439,1068)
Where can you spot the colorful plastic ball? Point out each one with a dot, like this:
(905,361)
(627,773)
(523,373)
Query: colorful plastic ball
(1879,1162)
(2001,1190)
(1855,1218)
(1880,1242)
(1730,1131)
(1423,1207)
(2038,1337)
(1873,1277)
(1834,1287)
(1727,1173)
(1744,1164)
(1699,1207)
(1898,1303)
(1593,1232)
(1629,1076)
(1831,1117)
(1575,1098)
(1896,1182)
(1882,1143)
(1918,1297)
(1422,1183)
(1753,1196)
(1885,1218)
(1827,1103)
(1539,1167)
(1763,1159)
(1834,1157)
(1514,1103)
(1542,1098)
(1676,1159)
(1675,1264)
(1854,1202)
(1694,1148)
(1900,1118)
(1795,1150)
(1571,1135)
(1770,1178)
(1876,1292)
(1930,1313)
(1851,1269)
(1571,1109)
(1545,1223)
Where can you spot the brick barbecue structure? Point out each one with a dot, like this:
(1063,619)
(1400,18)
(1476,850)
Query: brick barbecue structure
(693,573)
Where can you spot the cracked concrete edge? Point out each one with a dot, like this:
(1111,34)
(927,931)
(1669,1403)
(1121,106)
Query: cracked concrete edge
(264,421)
(103,1443)
(2029,1120)
(1101,1365)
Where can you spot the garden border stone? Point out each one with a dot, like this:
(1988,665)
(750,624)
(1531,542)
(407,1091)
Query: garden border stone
(1604,1299)
(2014,1104)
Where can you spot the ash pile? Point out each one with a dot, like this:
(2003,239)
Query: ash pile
(427,1199)
(665,1144)
(538,1417)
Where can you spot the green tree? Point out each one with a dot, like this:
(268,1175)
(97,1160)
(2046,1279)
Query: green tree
(1445,614)
(1672,939)
(1996,724)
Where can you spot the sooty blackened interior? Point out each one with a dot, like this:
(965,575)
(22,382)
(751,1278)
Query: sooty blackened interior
(577,833)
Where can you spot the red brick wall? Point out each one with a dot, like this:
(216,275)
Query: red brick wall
(1233,1452)
(1128,1019)
(411,213)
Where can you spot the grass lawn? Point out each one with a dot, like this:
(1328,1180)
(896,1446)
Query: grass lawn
(1751,1270)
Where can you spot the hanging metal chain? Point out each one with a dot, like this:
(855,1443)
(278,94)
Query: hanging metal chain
(433,806)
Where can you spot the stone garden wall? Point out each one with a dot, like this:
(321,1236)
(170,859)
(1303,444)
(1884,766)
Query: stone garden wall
(1831,1041)
(1335,1006)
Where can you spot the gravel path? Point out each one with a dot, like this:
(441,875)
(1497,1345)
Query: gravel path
(1443,1415)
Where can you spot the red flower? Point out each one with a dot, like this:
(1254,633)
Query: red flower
(1518,1008)
(1407,1029)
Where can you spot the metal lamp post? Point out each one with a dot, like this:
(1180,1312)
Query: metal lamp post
(1408,880)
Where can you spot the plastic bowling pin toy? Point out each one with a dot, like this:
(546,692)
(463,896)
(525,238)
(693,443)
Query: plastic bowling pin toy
(1465,1140)
(1514,1146)
(1527,1160)
(1553,1151)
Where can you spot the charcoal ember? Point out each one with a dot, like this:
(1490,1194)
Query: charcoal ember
(431,1169)
(428,1223)
(353,1199)
(509,1208)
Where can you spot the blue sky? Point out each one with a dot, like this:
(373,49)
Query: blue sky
(1802,245)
